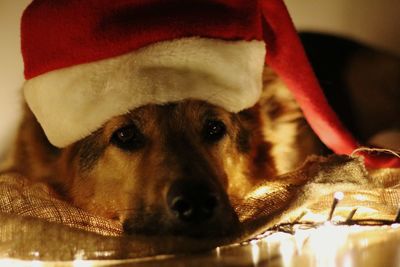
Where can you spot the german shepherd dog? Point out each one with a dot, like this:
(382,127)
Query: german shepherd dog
(174,168)
(171,169)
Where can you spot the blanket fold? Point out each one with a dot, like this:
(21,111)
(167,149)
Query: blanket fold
(36,224)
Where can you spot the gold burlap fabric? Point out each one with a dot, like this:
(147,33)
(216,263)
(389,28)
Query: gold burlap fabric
(35,224)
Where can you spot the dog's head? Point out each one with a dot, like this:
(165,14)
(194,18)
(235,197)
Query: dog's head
(169,169)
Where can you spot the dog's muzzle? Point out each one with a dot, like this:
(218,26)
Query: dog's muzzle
(192,202)
(199,208)
(192,208)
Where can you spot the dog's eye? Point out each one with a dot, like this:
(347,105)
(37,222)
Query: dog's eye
(128,138)
(213,130)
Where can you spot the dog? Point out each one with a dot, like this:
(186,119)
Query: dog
(174,168)
(177,168)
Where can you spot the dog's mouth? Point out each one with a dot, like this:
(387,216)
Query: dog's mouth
(229,227)
(214,228)
(192,210)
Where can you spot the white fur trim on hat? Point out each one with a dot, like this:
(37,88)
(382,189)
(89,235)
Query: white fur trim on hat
(73,102)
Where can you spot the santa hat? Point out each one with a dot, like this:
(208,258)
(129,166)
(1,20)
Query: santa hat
(88,61)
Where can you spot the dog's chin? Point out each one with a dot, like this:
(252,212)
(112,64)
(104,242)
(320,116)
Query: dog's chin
(207,230)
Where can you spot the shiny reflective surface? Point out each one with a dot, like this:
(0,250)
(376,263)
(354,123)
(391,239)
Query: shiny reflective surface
(325,246)
(350,221)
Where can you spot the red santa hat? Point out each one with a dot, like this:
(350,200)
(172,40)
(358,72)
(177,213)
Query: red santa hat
(88,61)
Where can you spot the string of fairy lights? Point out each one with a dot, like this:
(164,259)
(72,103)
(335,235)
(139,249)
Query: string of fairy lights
(298,223)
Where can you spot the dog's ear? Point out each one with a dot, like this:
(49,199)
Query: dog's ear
(251,141)
(32,155)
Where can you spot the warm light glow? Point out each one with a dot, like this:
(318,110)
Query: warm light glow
(82,263)
(300,239)
(287,249)
(325,242)
(17,263)
(348,260)
(35,254)
(36,263)
(10,262)
(103,254)
(395,225)
(278,237)
(255,252)
(360,197)
(218,252)
(260,192)
(314,217)
(339,195)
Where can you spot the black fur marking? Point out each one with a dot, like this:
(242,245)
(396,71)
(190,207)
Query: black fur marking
(262,154)
(243,140)
(90,150)
(275,109)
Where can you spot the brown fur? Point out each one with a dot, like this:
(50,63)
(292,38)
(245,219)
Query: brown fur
(261,142)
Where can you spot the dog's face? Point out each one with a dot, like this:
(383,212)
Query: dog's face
(169,168)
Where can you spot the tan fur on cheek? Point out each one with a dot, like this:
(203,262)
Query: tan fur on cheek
(235,166)
(238,182)
(109,188)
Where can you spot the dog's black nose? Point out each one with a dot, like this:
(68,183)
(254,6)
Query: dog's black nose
(192,201)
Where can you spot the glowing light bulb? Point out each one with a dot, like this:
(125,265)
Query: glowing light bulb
(338,195)
(255,252)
